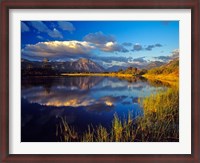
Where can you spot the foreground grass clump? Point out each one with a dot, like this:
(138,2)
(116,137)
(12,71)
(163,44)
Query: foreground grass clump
(121,131)
(161,117)
(159,123)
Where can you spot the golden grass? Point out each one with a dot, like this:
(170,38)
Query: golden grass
(162,77)
(98,74)
(161,117)
(121,131)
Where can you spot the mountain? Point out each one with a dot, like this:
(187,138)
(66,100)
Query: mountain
(154,64)
(30,64)
(85,65)
(81,65)
(115,68)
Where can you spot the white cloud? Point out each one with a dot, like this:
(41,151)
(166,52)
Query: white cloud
(41,27)
(138,61)
(98,38)
(55,33)
(175,53)
(57,49)
(40,37)
(137,47)
(24,27)
(106,43)
(66,26)
(113,47)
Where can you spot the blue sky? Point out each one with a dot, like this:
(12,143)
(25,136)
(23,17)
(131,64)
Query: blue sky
(107,42)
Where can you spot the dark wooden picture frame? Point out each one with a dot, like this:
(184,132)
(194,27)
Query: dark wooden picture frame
(194,5)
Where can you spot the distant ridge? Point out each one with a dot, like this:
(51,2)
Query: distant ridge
(80,65)
(154,64)
(85,65)
(115,68)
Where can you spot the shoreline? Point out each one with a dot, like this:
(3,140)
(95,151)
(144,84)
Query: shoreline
(163,78)
(98,74)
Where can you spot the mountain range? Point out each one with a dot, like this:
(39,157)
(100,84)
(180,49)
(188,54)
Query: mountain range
(80,65)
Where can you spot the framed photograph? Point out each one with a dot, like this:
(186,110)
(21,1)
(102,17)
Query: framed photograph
(100,81)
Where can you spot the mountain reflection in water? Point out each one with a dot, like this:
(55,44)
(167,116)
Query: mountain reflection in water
(82,100)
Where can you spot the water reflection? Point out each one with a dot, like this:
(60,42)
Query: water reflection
(81,83)
(82,100)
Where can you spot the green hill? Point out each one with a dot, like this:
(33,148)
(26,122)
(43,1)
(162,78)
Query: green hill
(170,68)
(169,71)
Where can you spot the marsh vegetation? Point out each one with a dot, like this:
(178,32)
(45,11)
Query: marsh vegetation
(159,123)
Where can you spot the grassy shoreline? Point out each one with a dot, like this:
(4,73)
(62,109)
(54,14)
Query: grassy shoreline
(169,79)
(98,74)
(165,78)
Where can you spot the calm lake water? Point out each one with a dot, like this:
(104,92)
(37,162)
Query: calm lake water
(82,100)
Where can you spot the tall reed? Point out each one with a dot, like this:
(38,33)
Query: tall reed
(161,117)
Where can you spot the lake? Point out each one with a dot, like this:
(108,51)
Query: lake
(82,101)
